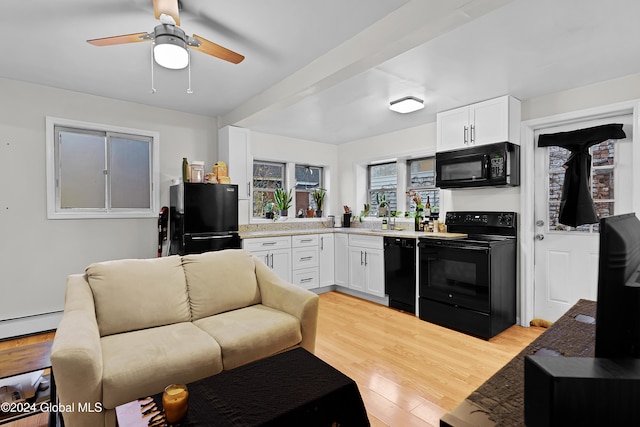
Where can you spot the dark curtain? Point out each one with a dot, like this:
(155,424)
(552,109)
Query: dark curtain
(576,204)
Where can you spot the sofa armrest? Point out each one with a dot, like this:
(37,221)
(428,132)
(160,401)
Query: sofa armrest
(287,297)
(76,354)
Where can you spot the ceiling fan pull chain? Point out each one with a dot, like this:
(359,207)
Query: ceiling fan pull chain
(153,89)
(189,71)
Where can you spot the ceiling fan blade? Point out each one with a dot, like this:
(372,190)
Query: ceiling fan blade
(168,7)
(216,50)
(125,38)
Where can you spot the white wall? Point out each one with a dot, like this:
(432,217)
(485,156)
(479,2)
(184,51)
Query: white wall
(284,149)
(36,254)
(411,142)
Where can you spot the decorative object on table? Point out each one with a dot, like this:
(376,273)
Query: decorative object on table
(310,213)
(318,197)
(346,217)
(283,200)
(175,402)
(210,178)
(419,210)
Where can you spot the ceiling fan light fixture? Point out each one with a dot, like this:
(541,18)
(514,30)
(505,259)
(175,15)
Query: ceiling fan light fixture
(408,104)
(170,52)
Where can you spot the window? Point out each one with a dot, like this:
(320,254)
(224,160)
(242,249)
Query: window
(267,176)
(96,171)
(383,179)
(308,179)
(602,183)
(422,179)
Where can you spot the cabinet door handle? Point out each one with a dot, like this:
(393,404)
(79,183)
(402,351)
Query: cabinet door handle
(306,240)
(466,131)
(266,260)
(306,258)
(473,134)
(321,243)
(271,260)
(307,279)
(268,243)
(365,258)
(361,258)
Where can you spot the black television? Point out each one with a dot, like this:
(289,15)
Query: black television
(618,305)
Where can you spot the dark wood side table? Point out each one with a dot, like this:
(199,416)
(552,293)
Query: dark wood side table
(22,360)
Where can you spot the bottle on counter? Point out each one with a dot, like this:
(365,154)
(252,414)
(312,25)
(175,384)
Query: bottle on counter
(384,223)
(186,170)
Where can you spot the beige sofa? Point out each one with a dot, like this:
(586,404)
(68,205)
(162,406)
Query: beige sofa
(131,327)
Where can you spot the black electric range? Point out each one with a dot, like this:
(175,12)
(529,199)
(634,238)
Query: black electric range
(469,283)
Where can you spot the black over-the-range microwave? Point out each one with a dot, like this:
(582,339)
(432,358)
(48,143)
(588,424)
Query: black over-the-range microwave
(479,166)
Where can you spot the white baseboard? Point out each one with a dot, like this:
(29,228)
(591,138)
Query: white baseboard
(29,324)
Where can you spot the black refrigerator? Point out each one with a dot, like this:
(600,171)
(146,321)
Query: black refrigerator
(203,218)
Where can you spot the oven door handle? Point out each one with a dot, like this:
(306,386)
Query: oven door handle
(463,247)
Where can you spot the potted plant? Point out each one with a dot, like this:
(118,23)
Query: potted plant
(268,210)
(381,201)
(318,196)
(283,200)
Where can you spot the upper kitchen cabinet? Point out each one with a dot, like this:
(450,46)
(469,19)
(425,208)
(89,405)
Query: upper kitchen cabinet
(234,148)
(487,122)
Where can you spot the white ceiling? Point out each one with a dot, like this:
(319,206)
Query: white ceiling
(326,70)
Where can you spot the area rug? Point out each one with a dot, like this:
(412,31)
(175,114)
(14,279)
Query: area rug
(502,395)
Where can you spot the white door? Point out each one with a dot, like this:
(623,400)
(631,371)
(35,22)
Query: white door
(566,258)
(342,259)
(327,260)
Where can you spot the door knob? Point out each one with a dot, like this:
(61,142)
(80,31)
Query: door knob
(539,236)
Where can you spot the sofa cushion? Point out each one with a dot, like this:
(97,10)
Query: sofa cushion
(135,294)
(220,281)
(251,333)
(143,363)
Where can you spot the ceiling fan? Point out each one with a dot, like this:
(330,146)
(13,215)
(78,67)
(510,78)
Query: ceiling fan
(170,41)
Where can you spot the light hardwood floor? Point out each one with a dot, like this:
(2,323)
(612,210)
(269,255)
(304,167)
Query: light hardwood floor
(408,371)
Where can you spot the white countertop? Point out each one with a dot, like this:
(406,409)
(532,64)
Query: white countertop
(350,230)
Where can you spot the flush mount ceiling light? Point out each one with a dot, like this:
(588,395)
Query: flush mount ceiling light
(408,104)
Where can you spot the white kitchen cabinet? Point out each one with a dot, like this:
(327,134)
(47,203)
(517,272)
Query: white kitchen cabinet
(274,251)
(487,122)
(327,259)
(234,148)
(341,259)
(366,264)
(305,260)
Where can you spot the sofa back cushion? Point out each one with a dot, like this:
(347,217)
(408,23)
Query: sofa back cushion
(134,294)
(220,281)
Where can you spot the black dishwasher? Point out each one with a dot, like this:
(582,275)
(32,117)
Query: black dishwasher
(400,272)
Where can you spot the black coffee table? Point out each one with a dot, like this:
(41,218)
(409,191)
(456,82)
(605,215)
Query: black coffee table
(290,388)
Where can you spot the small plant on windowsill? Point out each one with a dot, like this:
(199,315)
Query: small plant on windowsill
(268,210)
(383,205)
(318,197)
(283,200)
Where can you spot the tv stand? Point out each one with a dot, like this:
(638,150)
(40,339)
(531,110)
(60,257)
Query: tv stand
(500,400)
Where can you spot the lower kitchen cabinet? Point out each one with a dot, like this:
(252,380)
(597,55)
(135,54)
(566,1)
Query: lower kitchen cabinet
(274,251)
(305,255)
(341,259)
(327,260)
(366,264)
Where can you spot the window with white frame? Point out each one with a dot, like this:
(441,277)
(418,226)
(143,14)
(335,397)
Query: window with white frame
(383,183)
(98,171)
(267,176)
(421,178)
(308,180)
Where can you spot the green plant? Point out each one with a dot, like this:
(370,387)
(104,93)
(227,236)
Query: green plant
(318,196)
(365,212)
(282,198)
(381,200)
